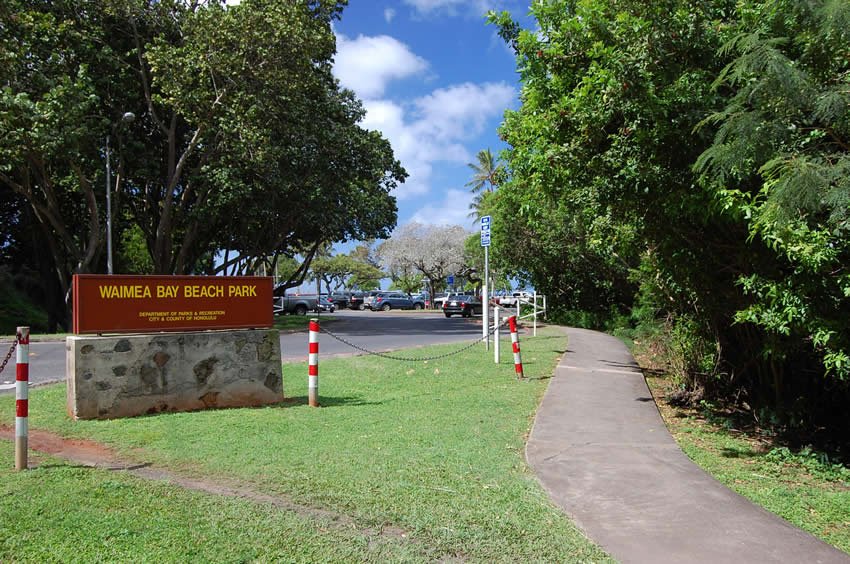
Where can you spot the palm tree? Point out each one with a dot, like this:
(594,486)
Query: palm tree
(485,179)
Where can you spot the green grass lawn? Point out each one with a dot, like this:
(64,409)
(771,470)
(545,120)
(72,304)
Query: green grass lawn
(430,450)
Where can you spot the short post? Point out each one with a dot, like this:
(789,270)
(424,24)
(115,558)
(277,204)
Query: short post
(515,344)
(496,333)
(22,380)
(313,361)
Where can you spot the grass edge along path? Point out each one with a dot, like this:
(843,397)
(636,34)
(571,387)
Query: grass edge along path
(434,449)
(803,488)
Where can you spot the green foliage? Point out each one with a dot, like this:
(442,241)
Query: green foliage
(18,310)
(285,268)
(411,284)
(780,160)
(598,169)
(688,163)
(816,463)
(133,256)
(365,269)
(243,139)
(487,174)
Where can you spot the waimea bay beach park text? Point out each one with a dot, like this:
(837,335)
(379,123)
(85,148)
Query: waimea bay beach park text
(130,303)
(143,291)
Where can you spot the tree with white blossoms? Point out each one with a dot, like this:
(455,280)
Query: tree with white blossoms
(435,251)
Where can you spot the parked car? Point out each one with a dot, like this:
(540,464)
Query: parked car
(463,305)
(386,301)
(441,297)
(325,304)
(511,301)
(355,300)
(300,304)
(368,298)
(340,299)
(297,305)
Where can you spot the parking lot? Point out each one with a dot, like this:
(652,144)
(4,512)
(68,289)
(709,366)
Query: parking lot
(373,330)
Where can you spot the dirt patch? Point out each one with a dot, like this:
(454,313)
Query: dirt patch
(87,453)
(90,453)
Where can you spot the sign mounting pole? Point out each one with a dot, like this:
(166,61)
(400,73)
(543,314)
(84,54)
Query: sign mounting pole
(485,310)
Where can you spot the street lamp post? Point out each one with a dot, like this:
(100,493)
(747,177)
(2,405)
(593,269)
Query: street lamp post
(126,118)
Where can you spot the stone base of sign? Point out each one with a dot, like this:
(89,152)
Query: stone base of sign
(127,375)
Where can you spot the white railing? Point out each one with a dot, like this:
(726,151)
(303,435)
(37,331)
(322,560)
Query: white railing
(539,303)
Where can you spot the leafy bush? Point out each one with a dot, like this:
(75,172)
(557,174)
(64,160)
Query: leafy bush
(16,308)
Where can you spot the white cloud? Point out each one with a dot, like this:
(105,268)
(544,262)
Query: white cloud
(453,7)
(435,128)
(452,210)
(368,64)
(389,14)
(462,110)
(425,131)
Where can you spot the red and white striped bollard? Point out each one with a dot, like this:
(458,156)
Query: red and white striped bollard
(313,362)
(515,344)
(22,380)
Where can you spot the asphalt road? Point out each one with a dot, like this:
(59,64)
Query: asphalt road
(382,331)
(374,331)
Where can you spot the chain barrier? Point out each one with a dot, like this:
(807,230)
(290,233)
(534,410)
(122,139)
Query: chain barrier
(410,359)
(8,356)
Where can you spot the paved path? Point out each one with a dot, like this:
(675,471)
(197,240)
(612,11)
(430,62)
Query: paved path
(601,450)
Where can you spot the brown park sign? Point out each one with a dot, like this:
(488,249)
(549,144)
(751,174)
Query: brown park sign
(143,304)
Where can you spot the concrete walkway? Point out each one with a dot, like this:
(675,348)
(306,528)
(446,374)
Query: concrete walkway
(601,450)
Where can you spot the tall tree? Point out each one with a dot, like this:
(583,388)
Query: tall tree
(599,178)
(243,139)
(487,173)
(731,227)
(366,270)
(434,251)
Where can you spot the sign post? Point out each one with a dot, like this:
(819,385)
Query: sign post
(485,298)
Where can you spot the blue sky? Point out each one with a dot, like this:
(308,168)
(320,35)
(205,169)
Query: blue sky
(435,79)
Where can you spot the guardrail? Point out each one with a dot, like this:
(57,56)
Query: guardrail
(539,304)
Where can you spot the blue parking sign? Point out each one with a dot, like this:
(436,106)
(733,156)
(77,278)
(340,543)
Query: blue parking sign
(485,231)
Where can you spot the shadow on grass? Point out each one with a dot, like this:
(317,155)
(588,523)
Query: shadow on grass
(117,467)
(326,401)
(731,452)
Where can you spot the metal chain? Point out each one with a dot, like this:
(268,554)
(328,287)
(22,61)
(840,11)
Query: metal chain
(8,356)
(406,359)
